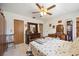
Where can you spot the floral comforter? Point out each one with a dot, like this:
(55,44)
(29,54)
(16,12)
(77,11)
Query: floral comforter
(54,47)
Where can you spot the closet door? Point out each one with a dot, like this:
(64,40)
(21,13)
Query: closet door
(41,29)
(69,30)
(18,31)
(77,27)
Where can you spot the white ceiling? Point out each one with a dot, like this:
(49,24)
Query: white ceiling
(26,9)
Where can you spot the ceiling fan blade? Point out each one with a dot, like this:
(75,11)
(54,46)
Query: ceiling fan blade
(36,12)
(51,7)
(49,13)
(38,5)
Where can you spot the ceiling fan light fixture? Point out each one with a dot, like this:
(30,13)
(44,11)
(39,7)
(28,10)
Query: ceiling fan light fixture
(43,13)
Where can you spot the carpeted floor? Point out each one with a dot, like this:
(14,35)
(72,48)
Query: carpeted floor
(18,50)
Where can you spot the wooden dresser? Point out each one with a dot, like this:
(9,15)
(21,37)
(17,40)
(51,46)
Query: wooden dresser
(34,36)
(32,32)
(59,33)
(52,35)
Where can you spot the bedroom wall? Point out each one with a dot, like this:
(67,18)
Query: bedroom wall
(70,16)
(9,16)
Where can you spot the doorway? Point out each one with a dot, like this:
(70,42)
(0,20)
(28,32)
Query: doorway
(18,31)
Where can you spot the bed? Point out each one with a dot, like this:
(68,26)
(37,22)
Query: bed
(54,47)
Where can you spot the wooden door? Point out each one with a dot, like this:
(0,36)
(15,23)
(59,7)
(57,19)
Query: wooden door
(77,27)
(18,31)
(1,33)
(3,44)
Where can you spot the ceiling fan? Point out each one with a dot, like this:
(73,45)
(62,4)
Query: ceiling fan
(43,10)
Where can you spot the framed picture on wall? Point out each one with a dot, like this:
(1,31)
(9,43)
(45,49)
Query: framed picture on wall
(53,26)
(50,25)
(60,21)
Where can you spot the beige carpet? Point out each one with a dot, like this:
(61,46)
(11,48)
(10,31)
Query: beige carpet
(18,50)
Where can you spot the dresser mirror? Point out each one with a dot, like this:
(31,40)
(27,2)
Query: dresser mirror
(33,27)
